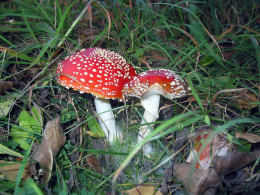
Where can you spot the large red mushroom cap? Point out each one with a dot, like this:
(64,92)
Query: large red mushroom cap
(100,72)
(160,81)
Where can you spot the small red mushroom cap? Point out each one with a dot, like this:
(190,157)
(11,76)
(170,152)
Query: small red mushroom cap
(98,71)
(160,81)
(205,155)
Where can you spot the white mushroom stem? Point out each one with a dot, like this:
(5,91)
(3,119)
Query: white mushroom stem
(107,119)
(151,106)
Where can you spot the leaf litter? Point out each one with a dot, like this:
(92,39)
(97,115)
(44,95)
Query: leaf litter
(209,161)
(42,158)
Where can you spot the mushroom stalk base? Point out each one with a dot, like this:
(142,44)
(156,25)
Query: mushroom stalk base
(107,119)
(151,106)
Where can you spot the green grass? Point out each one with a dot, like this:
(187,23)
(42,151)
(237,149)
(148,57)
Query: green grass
(213,45)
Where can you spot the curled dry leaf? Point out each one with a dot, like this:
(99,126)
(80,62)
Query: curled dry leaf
(196,181)
(52,141)
(42,155)
(253,138)
(4,85)
(142,190)
(54,135)
(10,170)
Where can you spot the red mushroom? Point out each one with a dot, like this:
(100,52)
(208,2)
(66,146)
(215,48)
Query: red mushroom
(204,159)
(148,86)
(102,73)
(207,147)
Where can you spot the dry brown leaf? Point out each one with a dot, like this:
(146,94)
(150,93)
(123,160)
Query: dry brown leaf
(245,104)
(43,155)
(4,85)
(142,190)
(93,163)
(196,181)
(228,54)
(54,135)
(233,161)
(253,138)
(154,54)
(241,96)
(246,100)
(52,141)
(10,170)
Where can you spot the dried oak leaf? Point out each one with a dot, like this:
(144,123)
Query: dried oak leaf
(196,181)
(142,190)
(4,85)
(253,138)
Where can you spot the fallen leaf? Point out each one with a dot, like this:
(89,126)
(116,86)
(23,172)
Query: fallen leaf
(93,163)
(9,170)
(228,54)
(142,190)
(253,138)
(233,161)
(54,135)
(4,85)
(241,96)
(246,100)
(43,155)
(155,54)
(196,181)
(52,141)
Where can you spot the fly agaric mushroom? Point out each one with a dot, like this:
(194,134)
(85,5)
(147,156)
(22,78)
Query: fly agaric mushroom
(102,73)
(148,86)
(202,154)
(204,159)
